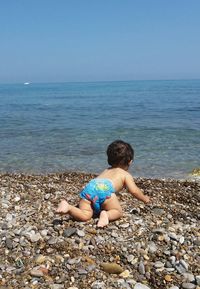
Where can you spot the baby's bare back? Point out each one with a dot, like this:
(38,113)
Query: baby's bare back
(116,176)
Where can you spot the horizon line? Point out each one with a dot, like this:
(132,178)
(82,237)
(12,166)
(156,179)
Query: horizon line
(97,81)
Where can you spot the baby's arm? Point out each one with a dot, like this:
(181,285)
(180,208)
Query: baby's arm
(134,190)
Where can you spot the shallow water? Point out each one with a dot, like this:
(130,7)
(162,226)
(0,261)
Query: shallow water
(67,126)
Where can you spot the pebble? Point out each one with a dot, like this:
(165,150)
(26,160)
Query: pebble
(98,285)
(152,248)
(80,233)
(141,286)
(158,211)
(188,285)
(125,225)
(112,268)
(184,264)
(198,279)
(69,232)
(180,268)
(40,259)
(125,274)
(36,273)
(9,243)
(64,253)
(130,258)
(159,264)
(188,277)
(57,286)
(35,237)
(141,268)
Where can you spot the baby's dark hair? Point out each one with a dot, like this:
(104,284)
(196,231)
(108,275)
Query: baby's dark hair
(119,153)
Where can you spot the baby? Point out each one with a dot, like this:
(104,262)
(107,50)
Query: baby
(99,195)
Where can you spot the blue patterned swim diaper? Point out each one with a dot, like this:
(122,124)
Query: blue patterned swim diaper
(97,191)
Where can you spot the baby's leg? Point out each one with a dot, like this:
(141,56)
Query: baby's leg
(83,213)
(111,211)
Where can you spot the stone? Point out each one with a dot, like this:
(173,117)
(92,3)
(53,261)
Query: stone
(184,264)
(125,225)
(141,286)
(198,279)
(9,243)
(57,286)
(125,274)
(35,237)
(159,264)
(69,232)
(82,271)
(57,222)
(40,259)
(80,233)
(158,211)
(141,268)
(188,277)
(152,248)
(130,258)
(180,269)
(168,278)
(36,273)
(98,285)
(188,285)
(112,268)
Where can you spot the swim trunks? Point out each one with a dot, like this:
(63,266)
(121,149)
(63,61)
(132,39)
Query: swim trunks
(97,191)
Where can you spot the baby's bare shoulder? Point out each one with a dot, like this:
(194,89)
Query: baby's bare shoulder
(122,173)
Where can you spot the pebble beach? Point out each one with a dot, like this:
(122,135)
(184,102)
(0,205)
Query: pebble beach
(152,246)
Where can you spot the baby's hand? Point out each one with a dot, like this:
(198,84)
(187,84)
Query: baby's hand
(146,200)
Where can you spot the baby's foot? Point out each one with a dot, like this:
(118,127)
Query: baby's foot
(63,207)
(103,220)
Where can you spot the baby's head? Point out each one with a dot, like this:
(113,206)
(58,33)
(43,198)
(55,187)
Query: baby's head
(120,154)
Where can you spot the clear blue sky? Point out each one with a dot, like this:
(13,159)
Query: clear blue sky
(89,40)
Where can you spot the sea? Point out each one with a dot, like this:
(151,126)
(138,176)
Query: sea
(59,127)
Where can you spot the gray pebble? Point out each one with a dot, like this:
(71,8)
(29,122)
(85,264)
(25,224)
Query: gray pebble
(9,243)
(125,225)
(184,264)
(180,269)
(82,271)
(80,233)
(198,279)
(188,285)
(35,237)
(159,264)
(57,286)
(141,286)
(158,211)
(152,247)
(173,236)
(188,277)
(52,241)
(69,232)
(130,258)
(141,268)
(98,285)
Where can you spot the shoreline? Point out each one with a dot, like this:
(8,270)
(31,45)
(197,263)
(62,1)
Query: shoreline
(189,178)
(156,245)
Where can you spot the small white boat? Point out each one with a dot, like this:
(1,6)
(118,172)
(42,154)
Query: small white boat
(26,83)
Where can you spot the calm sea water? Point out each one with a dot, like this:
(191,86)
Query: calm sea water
(67,126)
